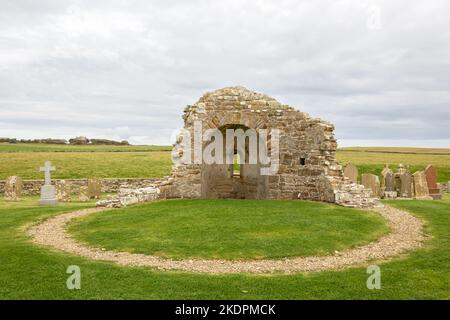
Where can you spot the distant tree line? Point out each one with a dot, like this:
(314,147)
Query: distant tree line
(73,141)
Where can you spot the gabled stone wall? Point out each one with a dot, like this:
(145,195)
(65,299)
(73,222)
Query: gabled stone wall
(308,168)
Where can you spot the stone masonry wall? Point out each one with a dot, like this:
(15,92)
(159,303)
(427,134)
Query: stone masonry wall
(33,187)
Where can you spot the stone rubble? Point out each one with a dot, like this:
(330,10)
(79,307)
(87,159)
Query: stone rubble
(127,197)
(356,196)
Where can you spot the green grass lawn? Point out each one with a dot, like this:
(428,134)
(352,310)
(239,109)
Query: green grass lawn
(230,229)
(28,271)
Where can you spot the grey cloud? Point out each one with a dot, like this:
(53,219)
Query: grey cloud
(69,67)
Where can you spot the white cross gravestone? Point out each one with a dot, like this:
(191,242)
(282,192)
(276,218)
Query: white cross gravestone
(48,191)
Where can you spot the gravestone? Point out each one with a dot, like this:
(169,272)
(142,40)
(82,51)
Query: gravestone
(385,169)
(48,192)
(389,185)
(372,182)
(421,186)
(401,169)
(84,194)
(389,181)
(431,176)
(406,185)
(13,188)
(351,172)
(397,179)
(94,188)
(63,191)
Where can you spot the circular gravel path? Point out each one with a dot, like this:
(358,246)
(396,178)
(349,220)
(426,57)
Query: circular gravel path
(406,234)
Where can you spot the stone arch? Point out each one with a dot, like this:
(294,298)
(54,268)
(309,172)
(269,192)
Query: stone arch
(220,180)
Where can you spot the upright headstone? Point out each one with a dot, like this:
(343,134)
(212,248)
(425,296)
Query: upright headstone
(385,169)
(397,179)
(63,191)
(84,195)
(372,182)
(431,176)
(389,181)
(48,192)
(386,176)
(94,188)
(421,186)
(407,185)
(401,169)
(351,172)
(13,188)
(388,184)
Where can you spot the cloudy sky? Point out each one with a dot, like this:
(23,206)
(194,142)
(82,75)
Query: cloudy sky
(379,70)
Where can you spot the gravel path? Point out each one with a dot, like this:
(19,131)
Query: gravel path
(406,234)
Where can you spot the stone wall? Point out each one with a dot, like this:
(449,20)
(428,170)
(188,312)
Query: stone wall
(33,187)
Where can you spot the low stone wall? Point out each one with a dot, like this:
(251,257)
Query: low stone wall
(33,187)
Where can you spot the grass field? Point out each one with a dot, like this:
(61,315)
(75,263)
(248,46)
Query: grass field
(75,165)
(230,229)
(398,150)
(147,162)
(28,271)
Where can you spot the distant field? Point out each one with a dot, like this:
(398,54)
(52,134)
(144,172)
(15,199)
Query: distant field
(38,147)
(152,161)
(75,165)
(398,150)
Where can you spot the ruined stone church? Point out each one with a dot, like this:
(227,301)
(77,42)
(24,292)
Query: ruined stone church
(307,168)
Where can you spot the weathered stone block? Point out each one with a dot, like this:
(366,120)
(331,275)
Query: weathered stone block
(63,191)
(372,182)
(13,188)
(94,188)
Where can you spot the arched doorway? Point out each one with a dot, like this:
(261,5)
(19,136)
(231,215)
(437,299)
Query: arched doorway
(239,179)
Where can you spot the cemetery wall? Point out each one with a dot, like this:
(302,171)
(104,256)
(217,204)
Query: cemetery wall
(33,187)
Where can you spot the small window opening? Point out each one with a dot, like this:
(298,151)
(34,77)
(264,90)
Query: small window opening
(302,161)
(237,167)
